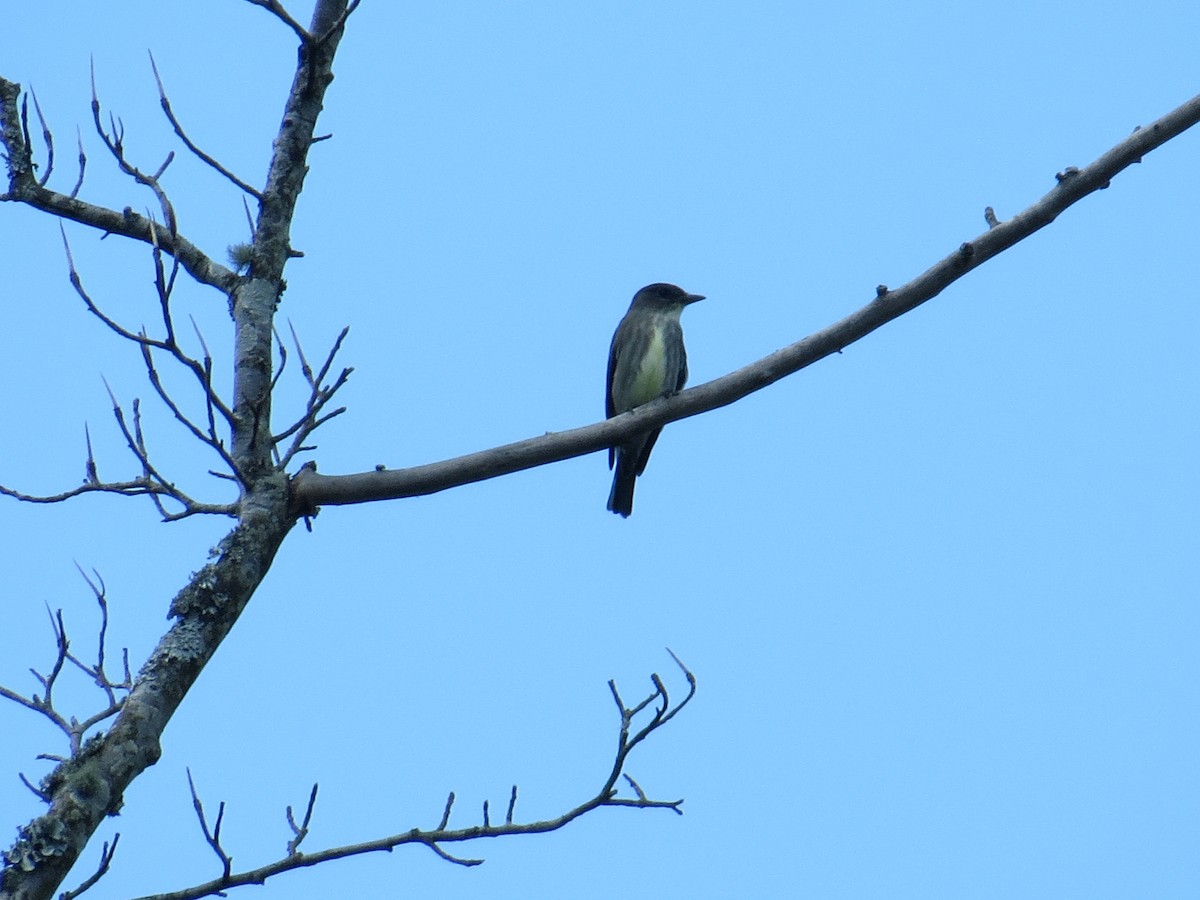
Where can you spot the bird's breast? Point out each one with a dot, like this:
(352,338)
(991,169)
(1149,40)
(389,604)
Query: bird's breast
(650,379)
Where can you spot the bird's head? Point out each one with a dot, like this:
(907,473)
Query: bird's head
(664,296)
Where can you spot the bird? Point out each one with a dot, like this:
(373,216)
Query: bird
(646,360)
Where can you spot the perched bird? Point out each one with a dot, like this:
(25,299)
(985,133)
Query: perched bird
(647,360)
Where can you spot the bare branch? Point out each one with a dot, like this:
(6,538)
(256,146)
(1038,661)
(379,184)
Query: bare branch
(457,860)
(211,398)
(211,438)
(166,107)
(137,445)
(207,607)
(283,357)
(106,857)
(637,789)
(305,368)
(82,168)
(202,372)
(23,187)
(337,345)
(36,704)
(442,834)
(512,805)
(151,483)
(114,140)
(135,488)
(74,729)
(319,396)
(37,792)
(90,473)
(311,490)
(249,216)
(144,454)
(446,812)
(77,284)
(60,639)
(158,173)
(300,832)
(97,672)
(163,286)
(213,835)
(47,137)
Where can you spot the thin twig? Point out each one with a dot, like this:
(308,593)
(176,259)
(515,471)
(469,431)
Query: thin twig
(213,440)
(446,813)
(106,857)
(442,834)
(300,832)
(90,474)
(319,396)
(166,107)
(74,729)
(212,836)
(512,805)
(114,140)
(82,165)
(47,137)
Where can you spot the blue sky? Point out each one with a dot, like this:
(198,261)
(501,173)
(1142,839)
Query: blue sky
(940,591)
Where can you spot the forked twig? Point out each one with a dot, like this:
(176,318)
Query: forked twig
(442,834)
(106,857)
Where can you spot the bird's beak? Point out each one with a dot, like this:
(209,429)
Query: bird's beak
(692,298)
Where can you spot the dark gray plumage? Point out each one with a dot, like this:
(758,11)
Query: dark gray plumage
(646,360)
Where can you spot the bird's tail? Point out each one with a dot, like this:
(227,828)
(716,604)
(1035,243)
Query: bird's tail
(620,498)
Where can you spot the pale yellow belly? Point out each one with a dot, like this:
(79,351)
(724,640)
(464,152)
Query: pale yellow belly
(650,380)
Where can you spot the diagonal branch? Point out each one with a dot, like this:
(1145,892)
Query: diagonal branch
(204,157)
(311,490)
(211,438)
(164,284)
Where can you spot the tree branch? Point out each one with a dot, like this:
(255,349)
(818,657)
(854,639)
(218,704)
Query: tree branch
(312,490)
(89,786)
(319,396)
(106,858)
(23,187)
(443,834)
(73,728)
(86,788)
(182,135)
(257,298)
